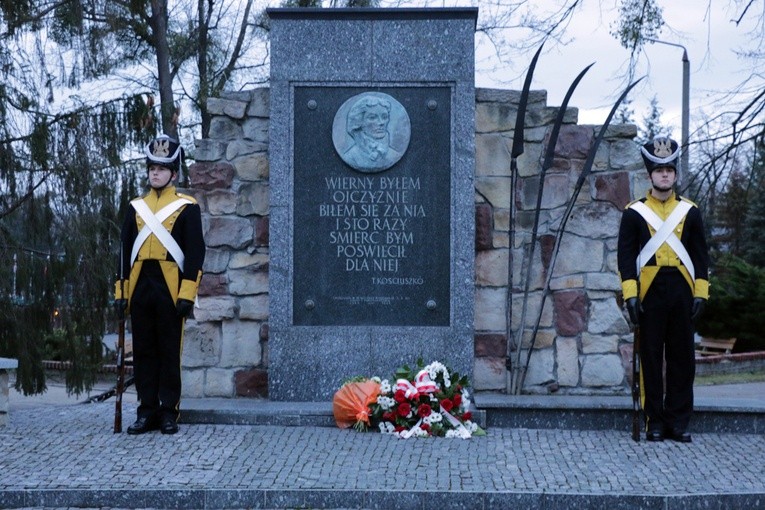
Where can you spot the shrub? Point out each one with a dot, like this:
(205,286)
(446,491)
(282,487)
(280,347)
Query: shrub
(736,304)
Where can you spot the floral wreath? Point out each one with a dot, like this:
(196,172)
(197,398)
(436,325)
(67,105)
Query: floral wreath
(426,401)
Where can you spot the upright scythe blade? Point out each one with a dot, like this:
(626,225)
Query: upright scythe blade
(528,260)
(520,119)
(564,219)
(515,151)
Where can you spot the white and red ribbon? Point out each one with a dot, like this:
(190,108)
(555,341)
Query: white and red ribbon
(422,385)
(454,421)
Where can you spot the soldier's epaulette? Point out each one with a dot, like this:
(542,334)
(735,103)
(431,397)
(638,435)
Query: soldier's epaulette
(187,197)
(686,200)
(642,199)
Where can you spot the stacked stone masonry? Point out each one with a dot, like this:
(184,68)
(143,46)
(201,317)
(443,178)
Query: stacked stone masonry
(584,343)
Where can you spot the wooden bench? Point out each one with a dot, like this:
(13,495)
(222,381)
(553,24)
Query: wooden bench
(715,346)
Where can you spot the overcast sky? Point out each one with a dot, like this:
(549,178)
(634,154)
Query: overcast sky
(710,38)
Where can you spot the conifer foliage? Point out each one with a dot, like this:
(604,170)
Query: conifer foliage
(65,164)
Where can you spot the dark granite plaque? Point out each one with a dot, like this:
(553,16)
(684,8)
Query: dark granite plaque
(372,248)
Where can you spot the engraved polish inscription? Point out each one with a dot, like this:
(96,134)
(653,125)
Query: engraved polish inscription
(373,221)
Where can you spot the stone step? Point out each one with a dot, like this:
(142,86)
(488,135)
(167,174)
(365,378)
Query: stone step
(711,415)
(265,412)
(742,416)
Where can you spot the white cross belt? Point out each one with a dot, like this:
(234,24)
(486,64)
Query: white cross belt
(154,226)
(665,233)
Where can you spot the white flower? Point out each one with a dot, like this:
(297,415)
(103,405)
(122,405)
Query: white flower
(387,427)
(435,368)
(460,432)
(385,402)
(418,432)
(435,417)
(385,386)
(376,379)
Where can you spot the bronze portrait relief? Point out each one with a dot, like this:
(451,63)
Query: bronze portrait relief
(371,132)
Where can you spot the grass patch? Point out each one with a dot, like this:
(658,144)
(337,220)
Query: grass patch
(742,378)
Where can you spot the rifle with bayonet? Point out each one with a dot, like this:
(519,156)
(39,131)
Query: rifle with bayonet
(120,387)
(636,385)
(109,393)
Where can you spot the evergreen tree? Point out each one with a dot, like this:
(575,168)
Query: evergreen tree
(625,114)
(69,165)
(727,234)
(753,231)
(60,178)
(652,126)
(735,304)
(65,164)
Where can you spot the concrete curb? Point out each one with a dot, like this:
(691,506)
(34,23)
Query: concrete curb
(361,499)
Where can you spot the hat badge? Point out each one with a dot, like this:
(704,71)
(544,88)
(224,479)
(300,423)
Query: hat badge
(662,147)
(161,148)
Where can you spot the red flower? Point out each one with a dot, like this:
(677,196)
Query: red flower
(388,416)
(404,409)
(457,399)
(398,428)
(425,427)
(399,396)
(424,410)
(467,416)
(447,404)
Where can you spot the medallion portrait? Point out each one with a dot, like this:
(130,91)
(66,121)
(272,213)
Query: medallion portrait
(371,132)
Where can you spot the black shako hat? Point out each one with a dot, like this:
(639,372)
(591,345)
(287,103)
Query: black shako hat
(662,151)
(164,151)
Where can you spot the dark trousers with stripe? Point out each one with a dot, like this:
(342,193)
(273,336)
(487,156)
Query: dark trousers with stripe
(157,343)
(667,333)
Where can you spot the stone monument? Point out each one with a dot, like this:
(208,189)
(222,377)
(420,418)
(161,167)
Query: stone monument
(372,194)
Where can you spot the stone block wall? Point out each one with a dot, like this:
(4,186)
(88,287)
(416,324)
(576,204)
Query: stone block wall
(584,343)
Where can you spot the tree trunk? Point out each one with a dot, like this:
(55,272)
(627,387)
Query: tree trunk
(158,24)
(204,80)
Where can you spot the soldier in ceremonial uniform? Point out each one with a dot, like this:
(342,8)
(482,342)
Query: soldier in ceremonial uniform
(663,264)
(161,265)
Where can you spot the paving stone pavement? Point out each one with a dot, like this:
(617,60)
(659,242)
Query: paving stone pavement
(67,456)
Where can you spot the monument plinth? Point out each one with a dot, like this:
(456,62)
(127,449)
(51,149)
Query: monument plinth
(372,217)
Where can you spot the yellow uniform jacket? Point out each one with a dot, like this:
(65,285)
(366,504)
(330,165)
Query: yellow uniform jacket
(184,224)
(635,232)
